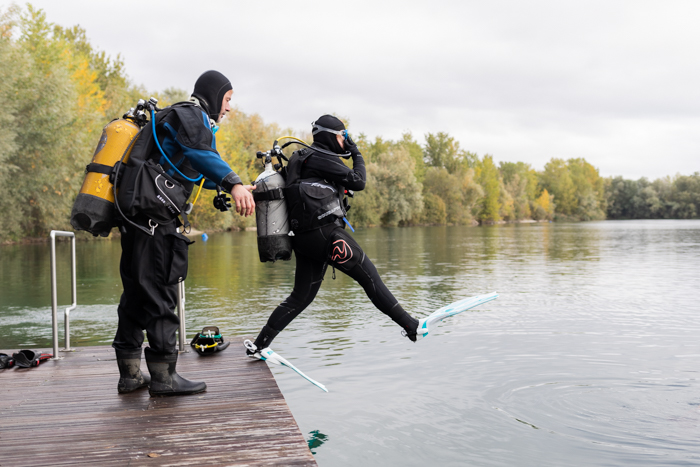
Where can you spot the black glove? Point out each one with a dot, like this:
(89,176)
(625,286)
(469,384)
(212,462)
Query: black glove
(351,147)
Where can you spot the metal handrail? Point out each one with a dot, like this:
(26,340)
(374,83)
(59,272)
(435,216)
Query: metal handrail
(54,297)
(181,314)
(54,294)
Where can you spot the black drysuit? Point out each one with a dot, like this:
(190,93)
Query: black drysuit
(152,266)
(331,244)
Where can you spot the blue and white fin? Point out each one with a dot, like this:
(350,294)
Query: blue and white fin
(425,325)
(269,355)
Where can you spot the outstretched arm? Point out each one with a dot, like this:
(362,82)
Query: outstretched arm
(241,194)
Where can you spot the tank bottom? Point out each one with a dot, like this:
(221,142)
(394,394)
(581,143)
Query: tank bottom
(275,247)
(96,215)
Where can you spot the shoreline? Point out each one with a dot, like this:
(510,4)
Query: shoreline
(86,237)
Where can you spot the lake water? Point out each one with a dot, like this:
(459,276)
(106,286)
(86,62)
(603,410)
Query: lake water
(590,356)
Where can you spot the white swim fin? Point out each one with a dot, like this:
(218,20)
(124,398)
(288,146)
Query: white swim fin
(425,325)
(269,355)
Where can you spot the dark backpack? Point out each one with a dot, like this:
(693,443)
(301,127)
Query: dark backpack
(312,202)
(146,192)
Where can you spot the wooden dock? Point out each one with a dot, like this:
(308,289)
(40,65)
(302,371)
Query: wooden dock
(68,412)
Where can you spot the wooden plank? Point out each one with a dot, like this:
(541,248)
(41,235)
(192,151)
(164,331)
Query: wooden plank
(68,412)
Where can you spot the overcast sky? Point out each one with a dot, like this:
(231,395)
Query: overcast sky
(615,82)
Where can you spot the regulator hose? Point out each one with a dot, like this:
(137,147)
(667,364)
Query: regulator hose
(155,137)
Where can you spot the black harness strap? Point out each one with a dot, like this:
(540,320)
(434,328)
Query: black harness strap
(98,168)
(276,193)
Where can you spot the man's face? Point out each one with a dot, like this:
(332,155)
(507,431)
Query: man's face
(225,105)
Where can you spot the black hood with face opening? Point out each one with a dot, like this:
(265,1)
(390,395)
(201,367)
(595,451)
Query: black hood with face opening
(210,90)
(326,139)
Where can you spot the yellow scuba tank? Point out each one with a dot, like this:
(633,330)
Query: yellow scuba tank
(93,209)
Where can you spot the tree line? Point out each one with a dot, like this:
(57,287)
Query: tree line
(57,92)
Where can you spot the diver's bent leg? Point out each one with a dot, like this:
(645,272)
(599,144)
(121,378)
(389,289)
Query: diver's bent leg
(347,256)
(307,280)
(365,274)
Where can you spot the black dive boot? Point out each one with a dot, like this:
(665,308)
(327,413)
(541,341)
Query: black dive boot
(406,321)
(130,376)
(264,339)
(164,379)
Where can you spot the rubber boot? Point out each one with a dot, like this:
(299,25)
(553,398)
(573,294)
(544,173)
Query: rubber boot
(164,379)
(264,339)
(130,376)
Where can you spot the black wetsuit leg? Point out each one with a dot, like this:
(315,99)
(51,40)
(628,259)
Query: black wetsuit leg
(314,250)
(346,255)
(150,269)
(307,280)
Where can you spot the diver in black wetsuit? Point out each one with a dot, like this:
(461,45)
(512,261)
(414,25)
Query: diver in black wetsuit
(316,183)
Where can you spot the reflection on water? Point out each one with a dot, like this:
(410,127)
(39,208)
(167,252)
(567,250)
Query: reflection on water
(589,356)
(316,439)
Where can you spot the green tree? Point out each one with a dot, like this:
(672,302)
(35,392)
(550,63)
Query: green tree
(556,179)
(589,190)
(46,105)
(415,151)
(685,196)
(54,94)
(487,176)
(392,192)
(441,150)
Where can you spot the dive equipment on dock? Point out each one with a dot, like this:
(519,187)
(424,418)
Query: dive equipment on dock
(30,358)
(209,341)
(6,361)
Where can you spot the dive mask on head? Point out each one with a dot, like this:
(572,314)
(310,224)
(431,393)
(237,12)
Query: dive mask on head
(318,128)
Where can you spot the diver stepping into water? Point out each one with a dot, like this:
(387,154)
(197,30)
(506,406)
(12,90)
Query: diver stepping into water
(316,184)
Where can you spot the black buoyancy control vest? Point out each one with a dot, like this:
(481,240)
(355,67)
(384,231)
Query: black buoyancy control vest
(312,202)
(130,198)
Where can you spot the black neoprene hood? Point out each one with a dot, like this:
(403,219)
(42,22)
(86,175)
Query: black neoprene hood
(210,89)
(326,139)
